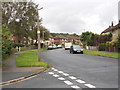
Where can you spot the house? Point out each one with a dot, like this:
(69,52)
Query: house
(74,40)
(115,30)
(17,39)
(60,39)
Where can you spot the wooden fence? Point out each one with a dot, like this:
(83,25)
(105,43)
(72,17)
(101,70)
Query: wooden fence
(109,49)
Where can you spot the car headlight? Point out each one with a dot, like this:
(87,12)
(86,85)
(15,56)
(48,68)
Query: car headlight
(75,50)
(81,49)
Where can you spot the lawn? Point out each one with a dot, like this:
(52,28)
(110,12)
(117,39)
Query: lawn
(35,50)
(99,53)
(30,59)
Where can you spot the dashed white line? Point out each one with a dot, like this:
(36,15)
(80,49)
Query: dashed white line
(68,82)
(71,77)
(65,74)
(60,71)
(75,86)
(55,69)
(50,73)
(55,75)
(61,78)
(89,85)
(80,81)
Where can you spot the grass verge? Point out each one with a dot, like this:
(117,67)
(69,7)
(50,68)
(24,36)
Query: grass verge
(35,50)
(99,53)
(30,59)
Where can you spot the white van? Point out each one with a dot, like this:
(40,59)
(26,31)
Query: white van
(67,46)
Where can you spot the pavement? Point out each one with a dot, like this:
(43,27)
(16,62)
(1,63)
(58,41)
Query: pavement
(74,71)
(10,71)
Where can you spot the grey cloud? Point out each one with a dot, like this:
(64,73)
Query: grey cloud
(76,15)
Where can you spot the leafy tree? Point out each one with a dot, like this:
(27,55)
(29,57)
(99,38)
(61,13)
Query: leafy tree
(20,18)
(87,38)
(6,42)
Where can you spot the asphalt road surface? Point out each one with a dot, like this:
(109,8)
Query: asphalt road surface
(74,71)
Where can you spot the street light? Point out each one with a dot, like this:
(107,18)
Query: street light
(43,38)
(38,33)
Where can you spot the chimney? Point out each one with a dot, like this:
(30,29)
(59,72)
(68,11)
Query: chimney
(112,24)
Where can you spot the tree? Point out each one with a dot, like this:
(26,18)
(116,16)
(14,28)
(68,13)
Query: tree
(6,42)
(87,38)
(20,18)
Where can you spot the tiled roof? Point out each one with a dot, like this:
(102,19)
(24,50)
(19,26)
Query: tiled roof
(72,37)
(112,28)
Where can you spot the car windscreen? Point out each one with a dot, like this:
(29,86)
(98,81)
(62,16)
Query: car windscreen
(76,47)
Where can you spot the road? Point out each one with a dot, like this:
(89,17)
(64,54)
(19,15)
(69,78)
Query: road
(74,71)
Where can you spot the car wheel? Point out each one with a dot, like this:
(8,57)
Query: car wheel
(81,52)
(72,52)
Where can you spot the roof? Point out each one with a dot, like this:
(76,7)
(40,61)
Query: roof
(72,37)
(59,37)
(112,28)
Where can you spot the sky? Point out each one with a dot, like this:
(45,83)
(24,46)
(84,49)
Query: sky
(77,16)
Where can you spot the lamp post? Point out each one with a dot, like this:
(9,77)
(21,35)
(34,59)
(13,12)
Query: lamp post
(43,38)
(38,34)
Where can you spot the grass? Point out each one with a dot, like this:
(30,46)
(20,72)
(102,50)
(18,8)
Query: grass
(30,59)
(42,49)
(99,53)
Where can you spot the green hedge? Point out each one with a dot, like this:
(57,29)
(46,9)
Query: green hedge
(102,47)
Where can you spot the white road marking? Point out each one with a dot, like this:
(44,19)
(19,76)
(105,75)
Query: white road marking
(55,70)
(50,73)
(80,81)
(60,71)
(68,82)
(61,78)
(75,86)
(65,74)
(71,77)
(55,75)
(90,86)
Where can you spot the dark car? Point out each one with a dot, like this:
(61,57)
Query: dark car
(76,49)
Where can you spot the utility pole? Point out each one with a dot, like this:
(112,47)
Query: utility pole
(38,33)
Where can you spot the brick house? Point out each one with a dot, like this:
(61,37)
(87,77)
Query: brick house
(17,39)
(60,39)
(76,39)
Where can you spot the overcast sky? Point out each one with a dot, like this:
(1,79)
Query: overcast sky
(76,16)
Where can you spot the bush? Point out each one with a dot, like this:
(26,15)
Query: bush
(7,44)
(102,47)
(18,45)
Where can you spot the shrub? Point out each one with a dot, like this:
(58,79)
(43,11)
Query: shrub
(7,44)
(18,45)
(102,47)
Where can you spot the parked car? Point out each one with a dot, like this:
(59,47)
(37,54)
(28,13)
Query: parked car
(67,46)
(76,49)
(59,46)
(50,47)
(54,46)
